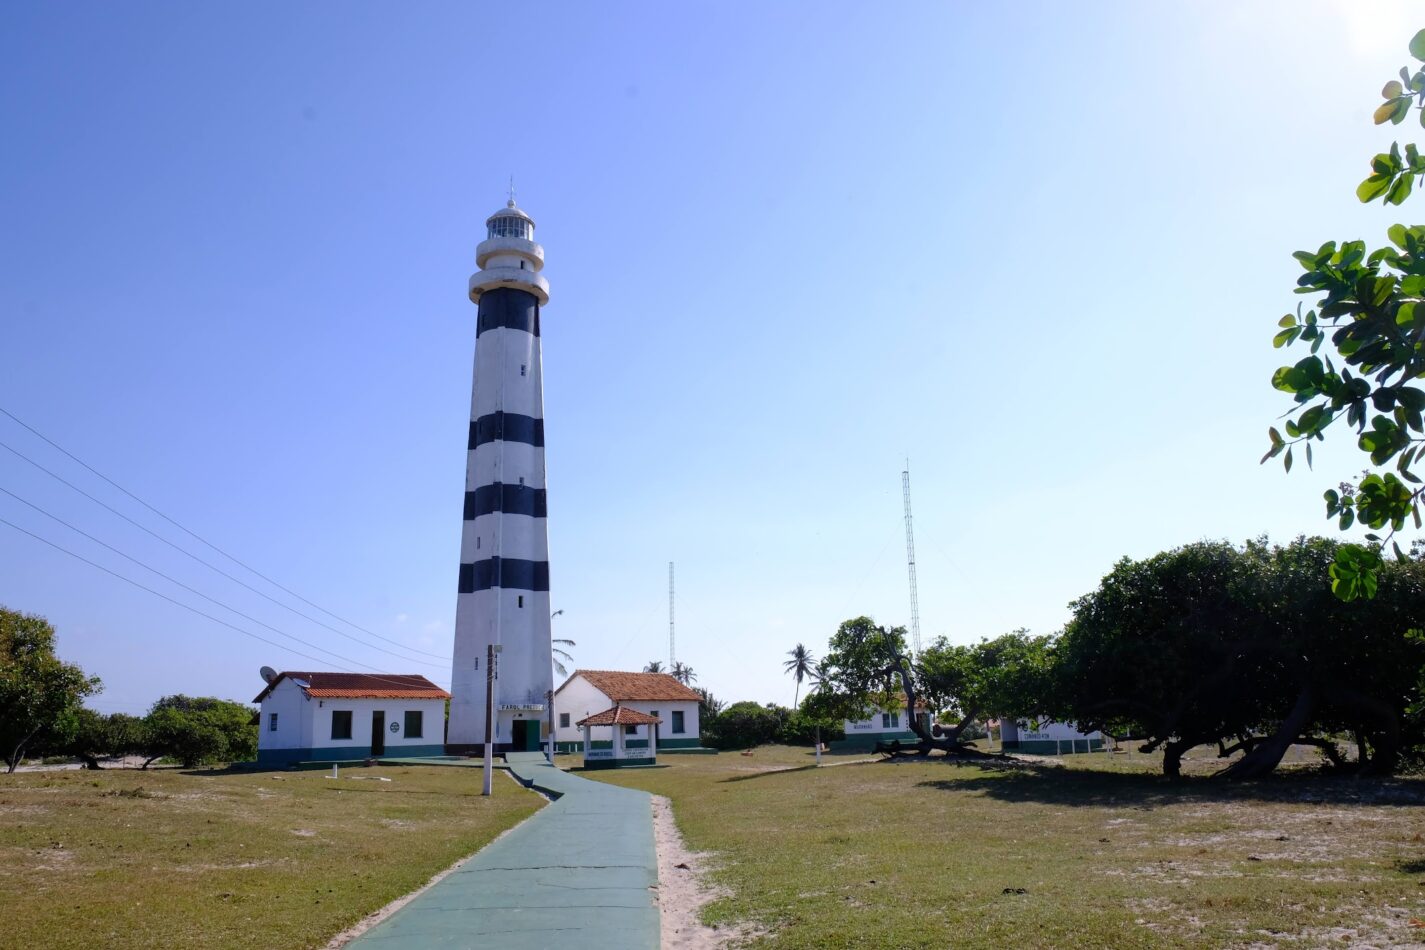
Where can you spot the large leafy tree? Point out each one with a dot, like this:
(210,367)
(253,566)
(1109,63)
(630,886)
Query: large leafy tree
(40,696)
(197,730)
(1246,649)
(1370,315)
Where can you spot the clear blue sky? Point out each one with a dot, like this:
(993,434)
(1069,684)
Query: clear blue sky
(1038,250)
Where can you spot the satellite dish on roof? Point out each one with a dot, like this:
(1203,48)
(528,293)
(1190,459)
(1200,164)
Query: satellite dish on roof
(268,674)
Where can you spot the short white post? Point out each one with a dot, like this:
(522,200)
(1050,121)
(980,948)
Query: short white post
(335,773)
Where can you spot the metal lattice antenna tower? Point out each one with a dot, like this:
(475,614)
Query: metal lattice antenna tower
(910,561)
(672,644)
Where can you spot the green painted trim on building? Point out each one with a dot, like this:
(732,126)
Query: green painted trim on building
(671,743)
(266,757)
(686,750)
(867,742)
(618,764)
(1053,747)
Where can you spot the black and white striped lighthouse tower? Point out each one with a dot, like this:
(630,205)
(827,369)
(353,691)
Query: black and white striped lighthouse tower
(504,547)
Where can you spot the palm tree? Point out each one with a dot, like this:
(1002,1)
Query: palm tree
(801,665)
(654,666)
(560,654)
(682,672)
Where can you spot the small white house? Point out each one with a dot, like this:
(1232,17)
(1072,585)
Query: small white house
(658,695)
(337,717)
(882,725)
(1046,738)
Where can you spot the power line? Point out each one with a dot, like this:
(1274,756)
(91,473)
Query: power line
(193,590)
(210,565)
(204,540)
(192,609)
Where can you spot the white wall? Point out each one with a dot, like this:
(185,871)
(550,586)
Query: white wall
(1052,731)
(288,702)
(872,726)
(580,700)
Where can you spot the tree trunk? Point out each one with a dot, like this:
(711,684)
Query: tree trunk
(818,745)
(1265,757)
(18,755)
(1173,751)
(950,745)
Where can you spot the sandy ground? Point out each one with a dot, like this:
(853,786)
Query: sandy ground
(126,762)
(683,889)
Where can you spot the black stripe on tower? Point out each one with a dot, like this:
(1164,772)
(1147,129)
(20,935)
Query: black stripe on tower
(506,426)
(509,572)
(509,308)
(511,499)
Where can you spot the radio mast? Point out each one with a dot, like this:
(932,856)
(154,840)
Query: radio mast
(910,563)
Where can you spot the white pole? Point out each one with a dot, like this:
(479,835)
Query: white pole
(488,786)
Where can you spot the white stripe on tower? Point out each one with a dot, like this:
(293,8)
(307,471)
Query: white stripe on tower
(504,546)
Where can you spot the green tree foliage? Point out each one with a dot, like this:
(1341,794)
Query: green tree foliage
(745,724)
(805,727)
(1246,649)
(199,730)
(92,737)
(653,666)
(40,696)
(800,667)
(709,706)
(1370,309)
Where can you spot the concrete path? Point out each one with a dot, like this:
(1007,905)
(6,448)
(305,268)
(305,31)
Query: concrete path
(578,873)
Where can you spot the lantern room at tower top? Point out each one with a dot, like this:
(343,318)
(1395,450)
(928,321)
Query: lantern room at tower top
(509,256)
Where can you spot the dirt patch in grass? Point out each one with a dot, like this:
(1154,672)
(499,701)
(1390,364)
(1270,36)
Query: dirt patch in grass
(684,889)
(209,859)
(926,854)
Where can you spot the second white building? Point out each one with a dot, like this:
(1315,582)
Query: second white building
(589,692)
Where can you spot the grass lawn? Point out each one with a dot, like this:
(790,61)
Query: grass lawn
(169,858)
(921,854)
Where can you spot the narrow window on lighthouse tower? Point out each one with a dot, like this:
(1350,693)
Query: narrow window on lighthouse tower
(522,369)
(521,600)
(477,544)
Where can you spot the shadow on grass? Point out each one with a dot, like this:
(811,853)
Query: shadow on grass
(770,770)
(1053,785)
(1411,867)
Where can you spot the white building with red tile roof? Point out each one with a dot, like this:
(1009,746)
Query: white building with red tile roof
(340,717)
(588,692)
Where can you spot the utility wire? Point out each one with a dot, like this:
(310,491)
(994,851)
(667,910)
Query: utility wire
(199,537)
(192,590)
(179,603)
(210,565)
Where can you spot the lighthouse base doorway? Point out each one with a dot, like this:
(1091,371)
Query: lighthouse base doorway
(525,733)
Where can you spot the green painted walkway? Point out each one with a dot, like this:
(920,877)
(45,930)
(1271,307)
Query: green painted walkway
(578,873)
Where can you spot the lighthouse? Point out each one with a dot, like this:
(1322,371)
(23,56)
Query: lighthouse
(503,598)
